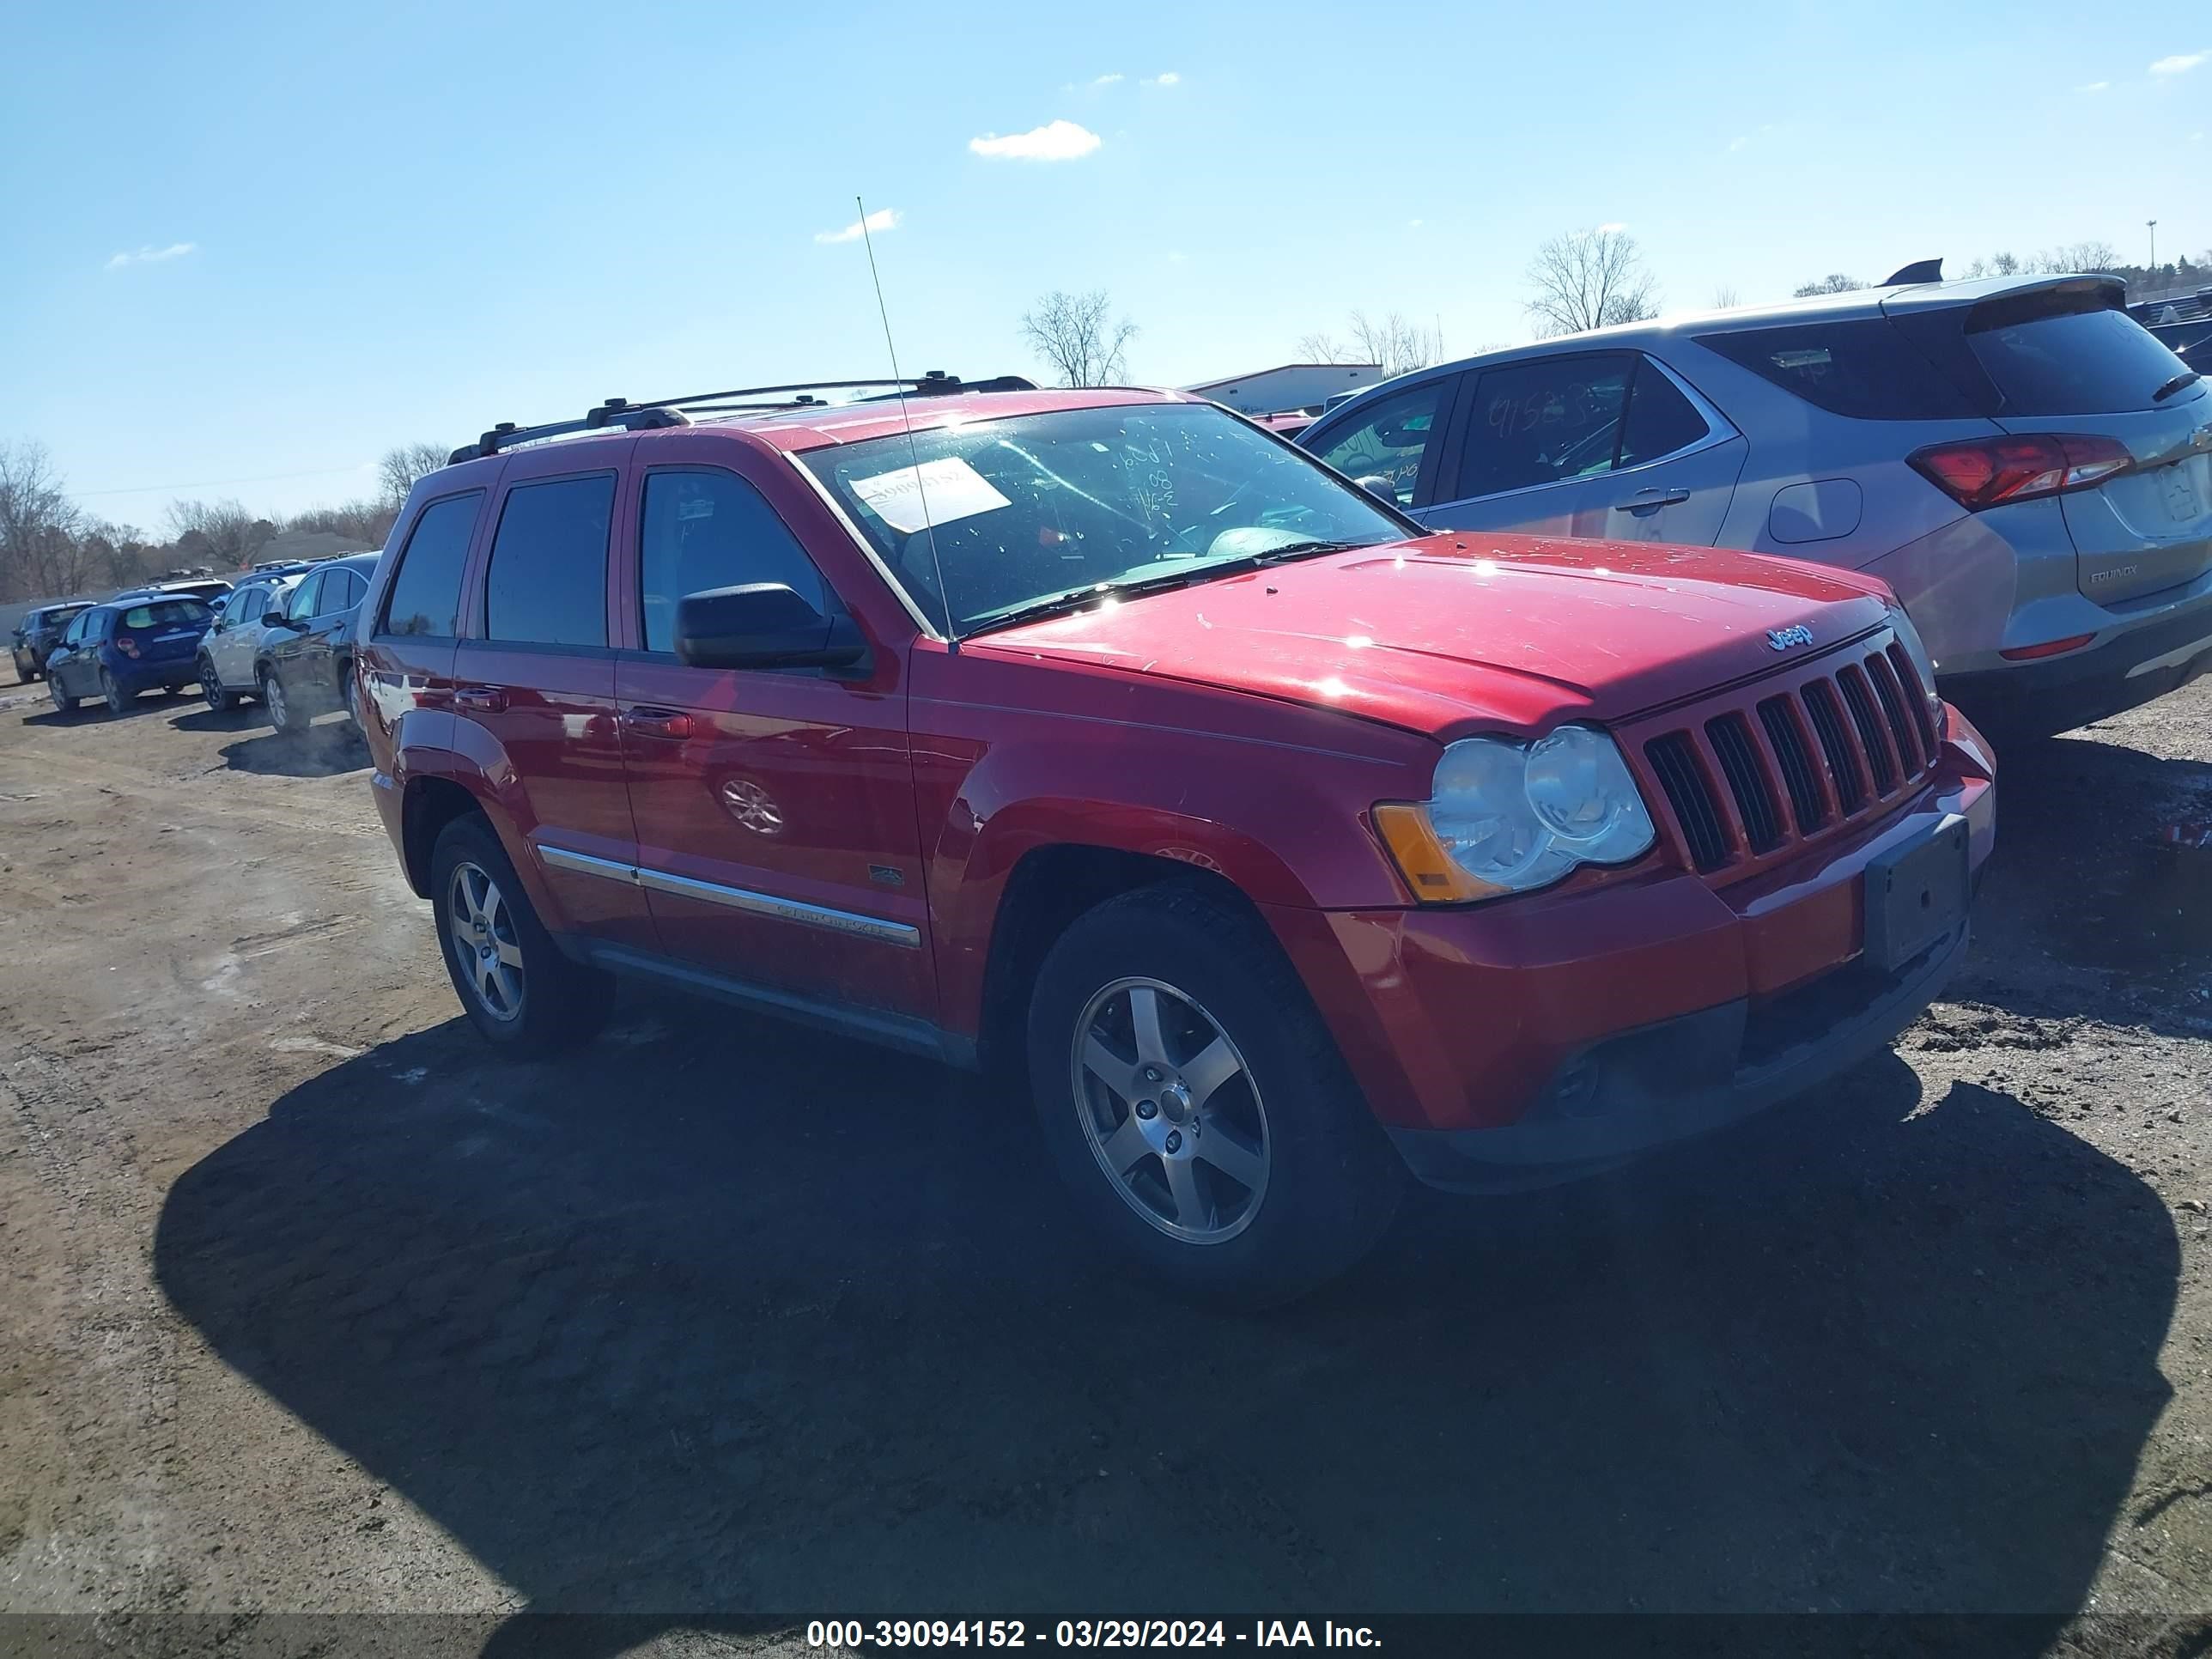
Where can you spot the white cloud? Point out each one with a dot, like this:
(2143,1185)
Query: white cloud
(881,219)
(1169,79)
(1613,229)
(153,256)
(1737,143)
(2093,86)
(1412,224)
(1055,141)
(1108,81)
(2180,63)
(1176,254)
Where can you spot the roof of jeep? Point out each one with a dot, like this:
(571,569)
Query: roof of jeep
(795,429)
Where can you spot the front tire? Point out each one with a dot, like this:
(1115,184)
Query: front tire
(219,698)
(284,714)
(64,703)
(118,699)
(521,992)
(1257,1173)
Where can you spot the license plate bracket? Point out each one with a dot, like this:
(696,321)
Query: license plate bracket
(1916,894)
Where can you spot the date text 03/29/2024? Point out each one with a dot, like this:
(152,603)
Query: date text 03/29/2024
(854,1634)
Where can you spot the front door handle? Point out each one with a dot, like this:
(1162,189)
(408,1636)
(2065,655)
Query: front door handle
(648,721)
(486,699)
(1645,502)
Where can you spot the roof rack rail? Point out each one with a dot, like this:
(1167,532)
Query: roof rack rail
(670,411)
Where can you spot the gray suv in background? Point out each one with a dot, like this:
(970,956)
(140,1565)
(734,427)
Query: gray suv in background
(2018,458)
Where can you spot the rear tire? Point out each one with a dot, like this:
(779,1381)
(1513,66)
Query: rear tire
(212,687)
(285,713)
(119,700)
(521,994)
(1285,1179)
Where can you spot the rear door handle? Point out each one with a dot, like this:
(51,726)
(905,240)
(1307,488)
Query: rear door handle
(1651,501)
(648,721)
(489,699)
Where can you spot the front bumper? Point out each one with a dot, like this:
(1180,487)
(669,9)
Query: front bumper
(1685,1077)
(1532,1041)
(2104,678)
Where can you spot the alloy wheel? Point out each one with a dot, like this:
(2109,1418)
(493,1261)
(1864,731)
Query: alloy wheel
(272,693)
(1172,1112)
(482,926)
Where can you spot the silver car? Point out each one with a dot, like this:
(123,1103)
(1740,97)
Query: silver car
(226,658)
(2020,459)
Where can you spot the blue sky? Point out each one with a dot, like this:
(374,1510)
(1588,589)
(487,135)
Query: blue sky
(245,241)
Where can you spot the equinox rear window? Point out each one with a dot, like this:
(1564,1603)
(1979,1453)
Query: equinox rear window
(1861,367)
(2069,353)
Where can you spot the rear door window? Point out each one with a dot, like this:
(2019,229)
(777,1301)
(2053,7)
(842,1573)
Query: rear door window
(704,530)
(426,594)
(1390,438)
(1544,422)
(547,583)
(2069,353)
(1861,367)
(341,591)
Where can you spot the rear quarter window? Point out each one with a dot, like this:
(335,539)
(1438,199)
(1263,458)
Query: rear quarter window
(426,591)
(1860,366)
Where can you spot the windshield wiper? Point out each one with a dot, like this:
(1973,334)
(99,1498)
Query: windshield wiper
(1076,598)
(1303,549)
(2181,382)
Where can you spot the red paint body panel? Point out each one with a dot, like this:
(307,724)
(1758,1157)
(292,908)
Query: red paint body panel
(1244,727)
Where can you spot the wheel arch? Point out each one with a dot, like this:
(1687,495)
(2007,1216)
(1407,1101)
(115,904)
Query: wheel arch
(429,804)
(1049,887)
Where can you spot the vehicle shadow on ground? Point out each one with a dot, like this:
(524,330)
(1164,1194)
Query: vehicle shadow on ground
(2079,892)
(746,1321)
(93,711)
(326,748)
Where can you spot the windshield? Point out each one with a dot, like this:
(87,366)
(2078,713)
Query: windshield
(1035,509)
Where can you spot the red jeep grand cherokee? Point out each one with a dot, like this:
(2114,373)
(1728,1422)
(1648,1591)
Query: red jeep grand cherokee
(1288,846)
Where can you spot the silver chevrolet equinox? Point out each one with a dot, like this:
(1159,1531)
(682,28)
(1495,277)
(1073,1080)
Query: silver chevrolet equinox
(2018,458)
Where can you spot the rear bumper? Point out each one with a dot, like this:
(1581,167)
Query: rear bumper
(146,676)
(1531,1041)
(2120,671)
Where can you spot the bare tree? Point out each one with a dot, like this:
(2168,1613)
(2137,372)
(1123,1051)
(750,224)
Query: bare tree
(2086,256)
(1725,298)
(1589,279)
(2004,264)
(41,555)
(1071,333)
(1834,282)
(360,521)
(1400,347)
(401,467)
(220,529)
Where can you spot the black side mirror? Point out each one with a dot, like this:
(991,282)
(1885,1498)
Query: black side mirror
(1381,488)
(763,625)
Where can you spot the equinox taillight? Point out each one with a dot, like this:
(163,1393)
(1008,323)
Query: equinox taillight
(1984,472)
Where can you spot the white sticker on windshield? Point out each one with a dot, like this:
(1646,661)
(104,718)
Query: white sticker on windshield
(949,489)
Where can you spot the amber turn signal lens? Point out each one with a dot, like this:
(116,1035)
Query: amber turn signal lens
(1421,858)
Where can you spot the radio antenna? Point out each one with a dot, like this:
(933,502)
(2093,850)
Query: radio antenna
(906,417)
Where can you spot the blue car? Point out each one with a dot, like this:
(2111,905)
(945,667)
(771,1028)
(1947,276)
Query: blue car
(125,647)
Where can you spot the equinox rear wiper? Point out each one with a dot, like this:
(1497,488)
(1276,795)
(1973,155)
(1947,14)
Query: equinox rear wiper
(2181,382)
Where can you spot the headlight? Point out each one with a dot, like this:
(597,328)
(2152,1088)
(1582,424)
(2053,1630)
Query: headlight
(1506,816)
(1917,650)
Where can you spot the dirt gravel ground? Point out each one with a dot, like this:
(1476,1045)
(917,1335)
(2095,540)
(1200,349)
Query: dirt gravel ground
(313,1308)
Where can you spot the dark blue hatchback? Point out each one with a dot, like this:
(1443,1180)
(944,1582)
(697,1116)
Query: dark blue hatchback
(118,650)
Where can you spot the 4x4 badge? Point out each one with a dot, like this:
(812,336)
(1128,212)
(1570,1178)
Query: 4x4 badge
(1783,638)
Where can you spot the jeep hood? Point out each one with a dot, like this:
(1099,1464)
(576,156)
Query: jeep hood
(1455,632)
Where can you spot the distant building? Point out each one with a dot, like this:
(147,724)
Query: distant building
(309,545)
(1288,386)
